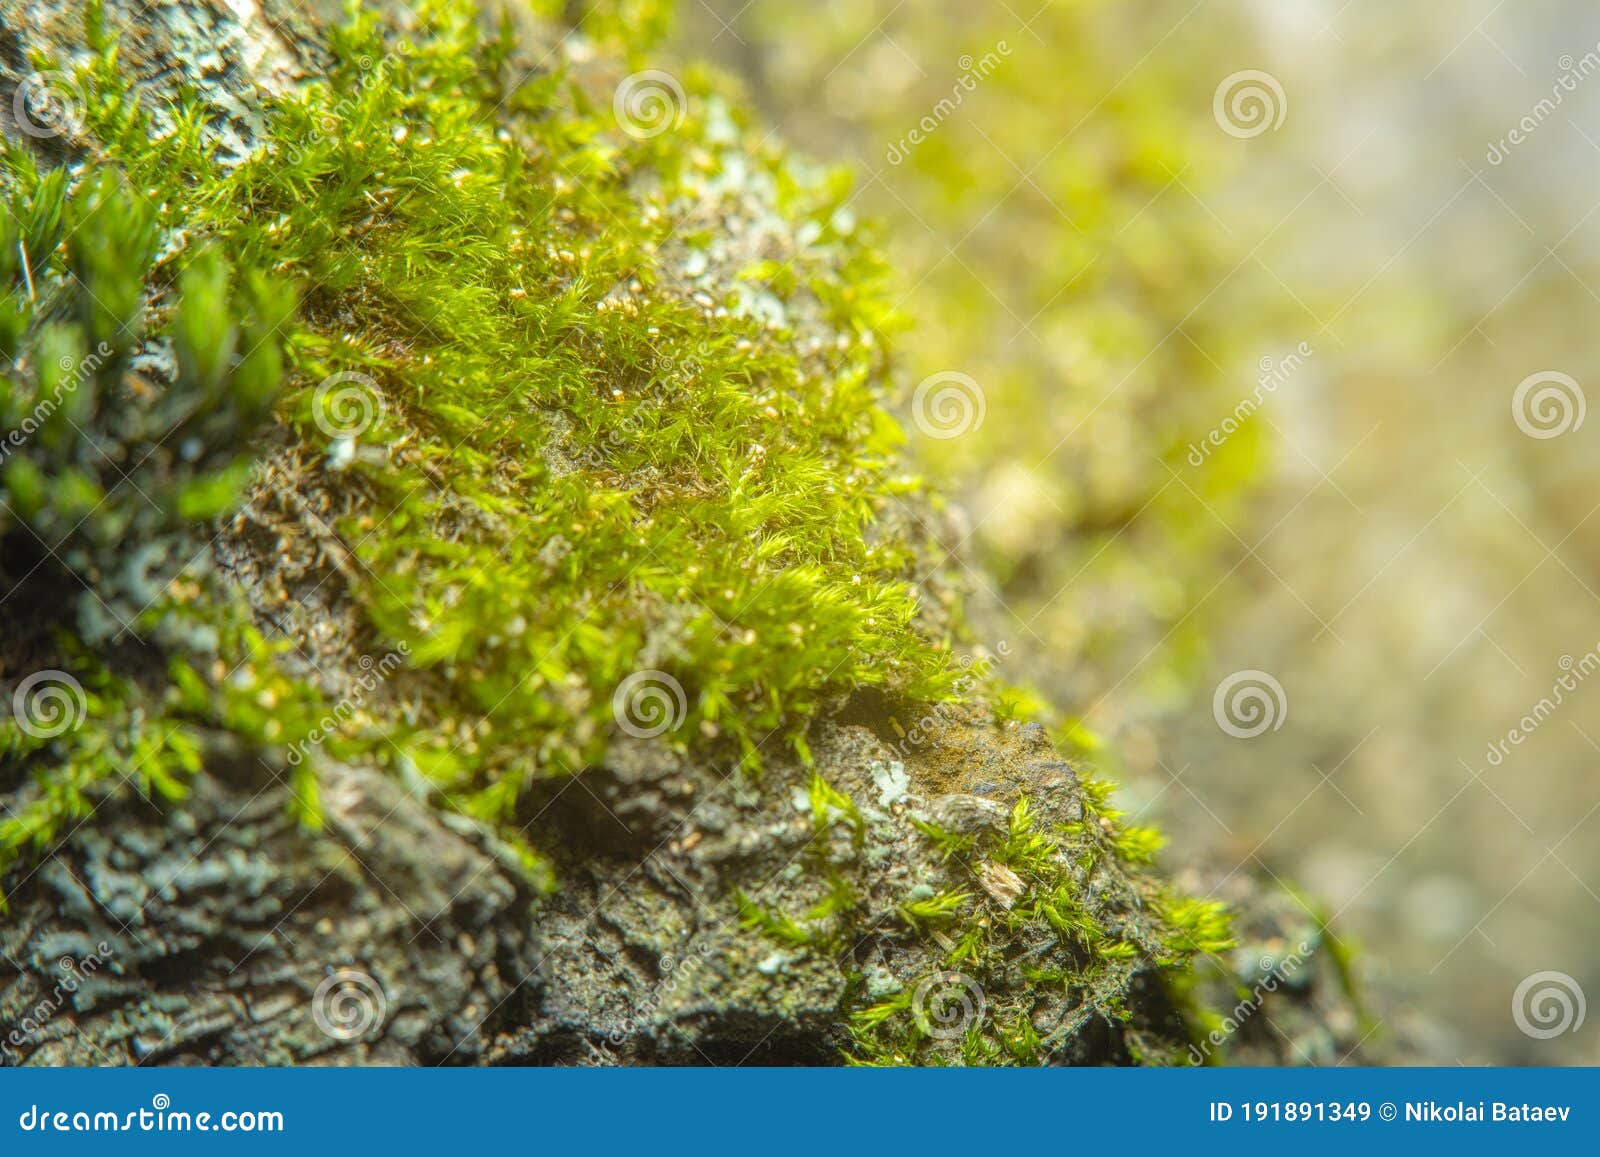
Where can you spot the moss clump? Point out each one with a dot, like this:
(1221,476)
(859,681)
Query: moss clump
(568,470)
(1050,903)
(540,452)
(571,473)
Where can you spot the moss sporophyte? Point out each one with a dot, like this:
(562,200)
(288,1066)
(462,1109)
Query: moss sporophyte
(460,331)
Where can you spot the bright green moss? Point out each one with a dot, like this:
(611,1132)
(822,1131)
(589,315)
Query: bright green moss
(565,468)
(571,472)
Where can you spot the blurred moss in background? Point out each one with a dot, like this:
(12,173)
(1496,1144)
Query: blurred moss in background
(1043,204)
(1244,292)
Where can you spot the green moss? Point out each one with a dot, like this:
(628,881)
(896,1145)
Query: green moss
(1094,297)
(1196,927)
(947,842)
(940,908)
(569,473)
(830,806)
(1050,907)
(103,483)
(563,469)
(774,925)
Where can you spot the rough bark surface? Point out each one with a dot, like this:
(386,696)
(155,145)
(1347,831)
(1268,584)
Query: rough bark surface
(202,935)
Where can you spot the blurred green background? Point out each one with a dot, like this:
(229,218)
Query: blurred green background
(1301,230)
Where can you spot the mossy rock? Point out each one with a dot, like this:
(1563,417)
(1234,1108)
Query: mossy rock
(466,601)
